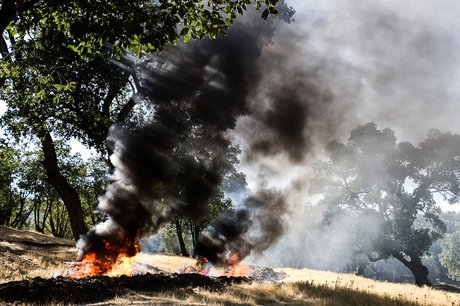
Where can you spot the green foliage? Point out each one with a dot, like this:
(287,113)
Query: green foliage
(450,255)
(170,242)
(75,97)
(27,200)
(92,185)
(13,210)
(141,26)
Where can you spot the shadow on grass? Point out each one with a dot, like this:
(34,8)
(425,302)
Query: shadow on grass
(346,296)
(184,289)
(301,293)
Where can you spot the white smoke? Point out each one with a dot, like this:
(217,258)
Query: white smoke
(395,63)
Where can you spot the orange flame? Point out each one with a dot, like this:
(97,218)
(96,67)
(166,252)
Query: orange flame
(115,260)
(204,267)
(236,268)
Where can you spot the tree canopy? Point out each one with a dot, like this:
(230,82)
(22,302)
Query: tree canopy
(141,25)
(373,176)
(57,74)
(449,257)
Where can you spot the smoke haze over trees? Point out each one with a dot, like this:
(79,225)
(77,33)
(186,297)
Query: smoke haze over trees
(390,184)
(259,107)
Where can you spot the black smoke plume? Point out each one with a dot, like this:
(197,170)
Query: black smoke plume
(252,228)
(176,160)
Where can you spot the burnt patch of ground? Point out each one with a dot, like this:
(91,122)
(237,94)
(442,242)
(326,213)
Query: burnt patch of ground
(100,288)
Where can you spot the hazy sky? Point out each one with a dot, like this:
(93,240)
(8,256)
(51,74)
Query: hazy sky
(401,59)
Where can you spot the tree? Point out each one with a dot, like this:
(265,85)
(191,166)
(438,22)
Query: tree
(56,71)
(131,23)
(216,206)
(373,175)
(450,255)
(13,207)
(28,200)
(91,186)
(142,25)
(44,103)
(200,145)
(196,225)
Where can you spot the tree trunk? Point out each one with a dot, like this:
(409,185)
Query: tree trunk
(55,178)
(360,269)
(415,265)
(178,224)
(194,231)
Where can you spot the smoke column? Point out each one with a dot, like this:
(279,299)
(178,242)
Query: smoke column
(175,161)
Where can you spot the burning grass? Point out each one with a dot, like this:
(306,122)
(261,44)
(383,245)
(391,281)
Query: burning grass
(115,258)
(25,255)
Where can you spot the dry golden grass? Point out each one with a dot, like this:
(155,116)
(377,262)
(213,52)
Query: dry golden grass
(166,263)
(407,292)
(25,254)
(260,294)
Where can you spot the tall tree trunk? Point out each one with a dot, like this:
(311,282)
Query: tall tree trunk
(192,224)
(360,269)
(177,223)
(415,265)
(55,178)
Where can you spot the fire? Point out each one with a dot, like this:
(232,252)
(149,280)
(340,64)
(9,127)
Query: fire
(203,266)
(114,259)
(237,268)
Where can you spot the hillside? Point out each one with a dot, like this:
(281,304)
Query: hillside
(26,254)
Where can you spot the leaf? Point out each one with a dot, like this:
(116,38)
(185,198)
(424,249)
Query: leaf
(187,38)
(58,86)
(184,31)
(6,71)
(273,11)
(265,14)
(72,47)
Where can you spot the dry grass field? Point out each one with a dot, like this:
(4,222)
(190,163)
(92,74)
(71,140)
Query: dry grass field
(26,254)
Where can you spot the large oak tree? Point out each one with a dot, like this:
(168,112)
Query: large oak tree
(374,176)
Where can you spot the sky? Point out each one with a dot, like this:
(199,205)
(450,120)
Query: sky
(400,57)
